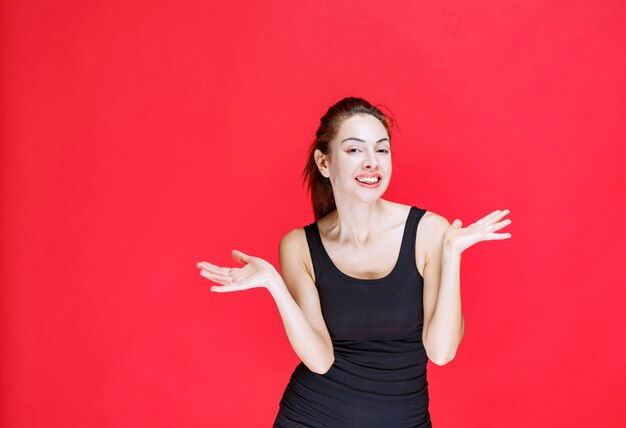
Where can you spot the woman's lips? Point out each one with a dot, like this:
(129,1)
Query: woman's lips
(369,184)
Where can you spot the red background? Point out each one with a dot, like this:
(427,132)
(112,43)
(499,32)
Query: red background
(139,138)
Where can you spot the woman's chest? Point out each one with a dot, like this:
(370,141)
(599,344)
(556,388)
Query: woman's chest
(384,310)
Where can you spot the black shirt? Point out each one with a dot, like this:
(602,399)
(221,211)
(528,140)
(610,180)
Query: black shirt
(378,378)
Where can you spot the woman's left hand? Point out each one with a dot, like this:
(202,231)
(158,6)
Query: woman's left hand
(458,239)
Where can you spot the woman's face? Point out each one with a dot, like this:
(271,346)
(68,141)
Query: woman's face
(359,167)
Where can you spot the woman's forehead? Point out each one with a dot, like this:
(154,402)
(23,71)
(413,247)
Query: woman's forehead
(362,126)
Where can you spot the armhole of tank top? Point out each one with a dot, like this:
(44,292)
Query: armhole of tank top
(310,240)
(419,213)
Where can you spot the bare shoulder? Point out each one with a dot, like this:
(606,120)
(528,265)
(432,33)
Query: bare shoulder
(435,222)
(293,251)
(430,232)
(293,239)
(429,238)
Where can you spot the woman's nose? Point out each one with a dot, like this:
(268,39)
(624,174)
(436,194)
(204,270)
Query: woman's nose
(371,160)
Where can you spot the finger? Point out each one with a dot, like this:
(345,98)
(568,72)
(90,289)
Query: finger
(219,270)
(223,288)
(237,286)
(503,213)
(488,217)
(207,266)
(240,257)
(220,279)
(499,225)
(497,236)
(226,275)
(494,216)
(500,215)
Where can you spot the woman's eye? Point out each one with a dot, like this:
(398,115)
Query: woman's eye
(354,150)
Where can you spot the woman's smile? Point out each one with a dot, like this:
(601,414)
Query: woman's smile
(369,180)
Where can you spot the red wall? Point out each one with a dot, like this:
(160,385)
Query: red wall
(139,138)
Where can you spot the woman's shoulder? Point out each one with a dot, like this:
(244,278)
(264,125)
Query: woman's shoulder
(435,222)
(430,232)
(293,239)
(293,249)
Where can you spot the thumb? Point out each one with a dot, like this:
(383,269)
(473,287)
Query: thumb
(457,223)
(240,257)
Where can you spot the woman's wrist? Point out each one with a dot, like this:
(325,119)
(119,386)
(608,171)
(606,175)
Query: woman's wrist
(449,253)
(274,281)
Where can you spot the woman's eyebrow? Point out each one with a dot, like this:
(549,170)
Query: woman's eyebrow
(362,141)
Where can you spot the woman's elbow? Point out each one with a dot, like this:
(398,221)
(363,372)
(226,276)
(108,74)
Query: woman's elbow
(322,371)
(440,357)
(441,361)
(323,368)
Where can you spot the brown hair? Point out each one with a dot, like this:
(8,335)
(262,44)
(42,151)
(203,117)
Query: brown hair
(319,187)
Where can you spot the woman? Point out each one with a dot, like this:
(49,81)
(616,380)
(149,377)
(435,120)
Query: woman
(369,291)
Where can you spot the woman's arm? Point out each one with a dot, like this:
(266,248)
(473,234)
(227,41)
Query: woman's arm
(443,322)
(443,319)
(294,292)
(298,302)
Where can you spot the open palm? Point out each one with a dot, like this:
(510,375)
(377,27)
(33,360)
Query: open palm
(458,239)
(256,273)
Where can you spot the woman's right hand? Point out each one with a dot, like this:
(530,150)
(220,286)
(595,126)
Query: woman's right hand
(256,273)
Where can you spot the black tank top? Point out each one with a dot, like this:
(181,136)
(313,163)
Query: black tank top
(378,378)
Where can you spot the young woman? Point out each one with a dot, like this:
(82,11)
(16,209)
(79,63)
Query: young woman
(369,291)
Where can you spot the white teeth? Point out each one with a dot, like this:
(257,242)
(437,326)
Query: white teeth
(368,179)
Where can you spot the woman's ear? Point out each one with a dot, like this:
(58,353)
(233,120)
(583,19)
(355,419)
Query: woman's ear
(321,160)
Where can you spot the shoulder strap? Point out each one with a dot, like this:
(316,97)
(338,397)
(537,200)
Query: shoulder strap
(415,215)
(313,241)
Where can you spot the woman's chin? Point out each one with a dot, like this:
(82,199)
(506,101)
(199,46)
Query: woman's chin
(371,195)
